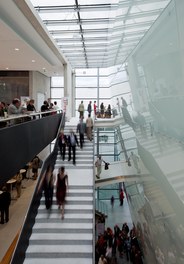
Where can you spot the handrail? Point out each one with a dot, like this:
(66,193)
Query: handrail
(28,114)
(101,207)
(23,241)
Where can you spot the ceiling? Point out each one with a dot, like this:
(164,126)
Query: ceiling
(87,34)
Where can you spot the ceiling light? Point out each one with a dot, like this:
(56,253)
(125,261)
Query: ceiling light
(16,49)
(33,60)
(7,68)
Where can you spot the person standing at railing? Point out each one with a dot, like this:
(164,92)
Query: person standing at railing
(30,106)
(15,107)
(81,109)
(98,164)
(89,127)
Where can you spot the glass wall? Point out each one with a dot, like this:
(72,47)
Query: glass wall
(158,72)
(113,83)
(57,89)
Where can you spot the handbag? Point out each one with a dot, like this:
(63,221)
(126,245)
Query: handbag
(106,165)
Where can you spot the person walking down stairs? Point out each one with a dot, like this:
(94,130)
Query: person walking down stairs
(61,189)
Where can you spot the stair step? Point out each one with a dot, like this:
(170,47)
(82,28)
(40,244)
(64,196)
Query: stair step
(58,260)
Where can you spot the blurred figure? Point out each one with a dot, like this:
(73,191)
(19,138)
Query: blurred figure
(112,201)
(89,109)
(121,197)
(124,103)
(48,186)
(61,189)
(98,165)
(118,106)
(35,165)
(30,106)
(135,160)
(89,127)
(102,110)
(18,178)
(62,142)
(102,260)
(72,142)
(81,110)
(5,200)
(15,107)
(95,108)
(55,107)
(81,128)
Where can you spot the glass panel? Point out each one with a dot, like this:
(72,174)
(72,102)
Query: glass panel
(57,81)
(57,92)
(86,93)
(86,82)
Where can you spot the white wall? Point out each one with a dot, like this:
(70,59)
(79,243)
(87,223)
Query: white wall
(39,83)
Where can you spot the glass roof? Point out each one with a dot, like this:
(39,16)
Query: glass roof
(98,33)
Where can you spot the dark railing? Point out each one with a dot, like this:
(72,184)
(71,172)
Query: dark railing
(20,143)
(23,242)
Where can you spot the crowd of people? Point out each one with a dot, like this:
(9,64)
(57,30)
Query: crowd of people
(71,141)
(118,243)
(16,107)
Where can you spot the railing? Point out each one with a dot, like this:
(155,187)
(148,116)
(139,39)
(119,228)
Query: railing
(10,120)
(23,242)
(20,143)
(101,207)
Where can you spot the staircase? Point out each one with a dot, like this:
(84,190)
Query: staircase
(169,155)
(70,240)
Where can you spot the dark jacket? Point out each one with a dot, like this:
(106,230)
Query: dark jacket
(5,200)
(69,140)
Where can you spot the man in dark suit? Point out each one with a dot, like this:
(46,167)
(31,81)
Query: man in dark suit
(62,142)
(5,200)
(72,142)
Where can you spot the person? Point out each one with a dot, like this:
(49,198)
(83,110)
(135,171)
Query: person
(98,165)
(35,165)
(94,108)
(62,142)
(124,103)
(18,178)
(118,105)
(112,201)
(89,127)
(15,107)
(109,111)
(89,109)
(81,128)
(135,160)
(81,110)
(5,200)
(61,189)
(102,260)
(30,106)
(102,109)
(48,186)
(45,108)
(72,142)
(121,197)
(55,107)
(3,113)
